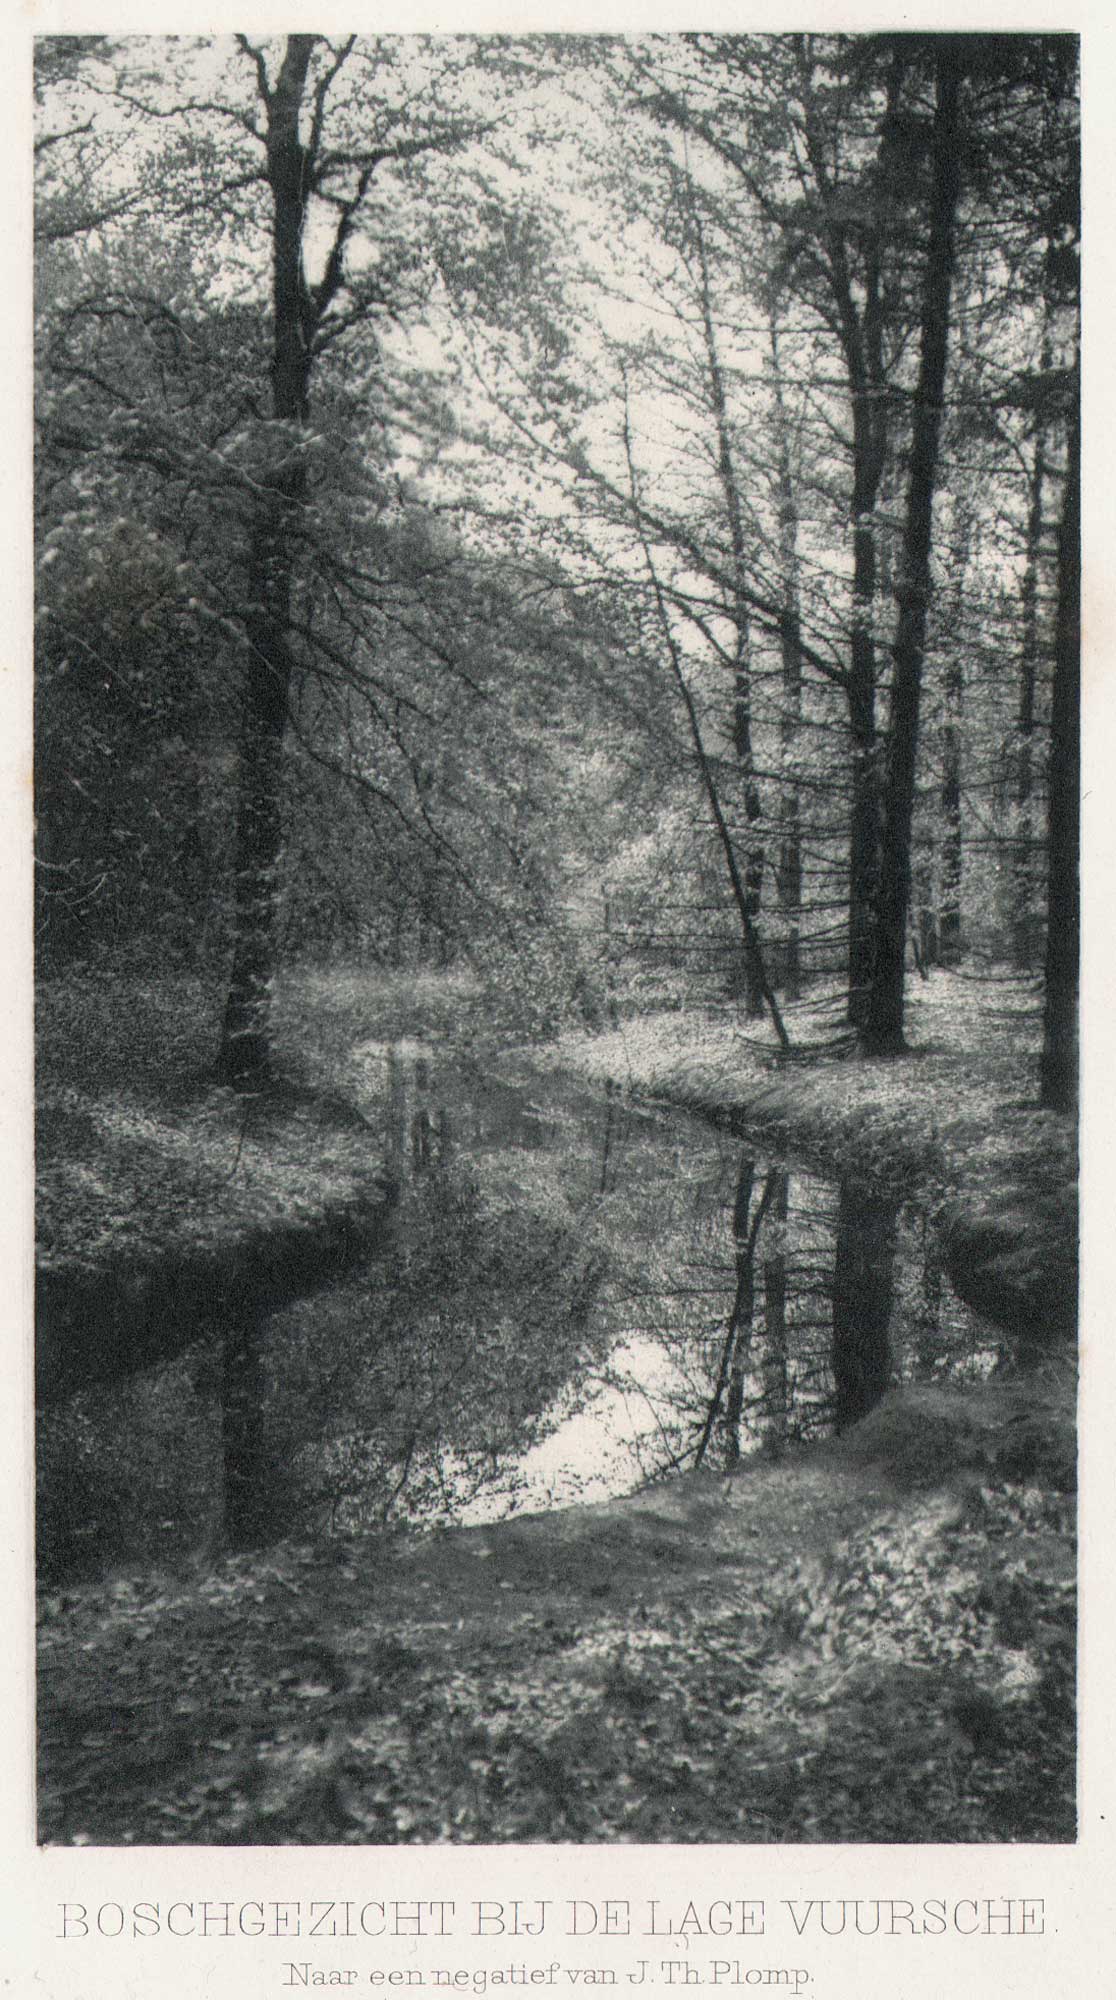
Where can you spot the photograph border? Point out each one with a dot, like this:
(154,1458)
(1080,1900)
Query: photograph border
(1074,1885)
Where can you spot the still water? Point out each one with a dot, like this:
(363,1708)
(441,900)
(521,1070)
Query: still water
(580,1295)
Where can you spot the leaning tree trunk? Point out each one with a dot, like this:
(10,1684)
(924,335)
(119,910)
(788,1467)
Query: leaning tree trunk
(882,1027)
(245,1052)
(1058,1068)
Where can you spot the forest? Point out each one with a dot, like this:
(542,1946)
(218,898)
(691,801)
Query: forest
(557,746)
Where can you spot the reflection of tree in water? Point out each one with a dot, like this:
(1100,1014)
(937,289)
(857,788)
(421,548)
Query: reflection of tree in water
(625,1286)
(862,1300)
(433,1377)
(802,1338)
(726,1306)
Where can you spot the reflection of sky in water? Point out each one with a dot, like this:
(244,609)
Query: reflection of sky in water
(608,1445)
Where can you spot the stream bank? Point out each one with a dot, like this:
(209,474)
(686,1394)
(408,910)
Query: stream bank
(954,1125)
(867,1636)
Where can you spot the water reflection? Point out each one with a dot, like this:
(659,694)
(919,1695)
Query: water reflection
(699,1304)
(863,1269)
(578,1295)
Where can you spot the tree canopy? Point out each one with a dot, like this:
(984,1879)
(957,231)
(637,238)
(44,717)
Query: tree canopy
(446,441)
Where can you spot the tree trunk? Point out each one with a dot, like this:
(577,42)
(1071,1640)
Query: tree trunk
(790,713)
(1058,1068)
(776,1380)
(742,672)
(743,1310)
(882,1027)
(245,1054)
(864,824)
(953,694)
(753,809)
(860,312)
(862,1299)
(1023,925)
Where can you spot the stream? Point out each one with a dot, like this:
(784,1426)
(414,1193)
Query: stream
(578,1295)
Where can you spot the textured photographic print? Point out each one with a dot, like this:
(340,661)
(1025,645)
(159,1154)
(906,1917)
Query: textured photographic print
(556,927)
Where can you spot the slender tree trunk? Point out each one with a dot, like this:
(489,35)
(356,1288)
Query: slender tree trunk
(753,808)
(869,457)
(926,906)
(1058,1068)
(775,1374)
(953,692)
(245,1052)
(864,822)
(738,1333)
(743,1310)
(1023,925)
(882,1027)
(790,713)
(742,671)
(752,947)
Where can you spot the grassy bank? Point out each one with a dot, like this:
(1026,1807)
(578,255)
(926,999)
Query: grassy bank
(959,1114)
(955,1124)
(136,1147)
(140,1154)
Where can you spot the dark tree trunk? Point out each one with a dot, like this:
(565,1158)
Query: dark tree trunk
(1023,900)
(1058,1068)
(736,1346)
(953,695)
(245,1052)
(775,1374)
(753,810)
(862,1297)
(244,1058)
(790,713)
(864,823)
(860,315)
(882,1026)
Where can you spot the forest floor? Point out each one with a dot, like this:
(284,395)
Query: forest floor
(871,1640)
